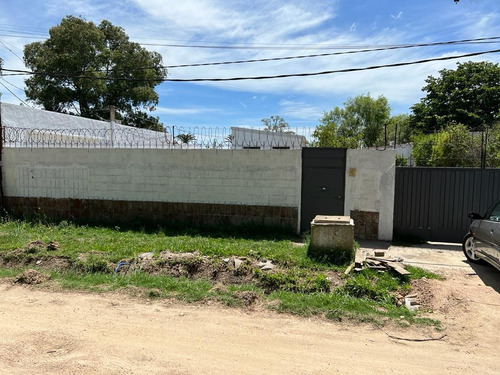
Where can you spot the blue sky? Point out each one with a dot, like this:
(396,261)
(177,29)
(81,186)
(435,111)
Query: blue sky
(300,26)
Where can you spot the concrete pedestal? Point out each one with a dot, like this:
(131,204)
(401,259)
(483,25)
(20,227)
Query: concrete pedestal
(332,234)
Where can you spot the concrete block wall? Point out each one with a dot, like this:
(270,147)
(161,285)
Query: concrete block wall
(220,178)
(235,186)
(370,178)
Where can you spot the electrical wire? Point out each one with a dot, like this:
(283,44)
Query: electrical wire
(17,97)
(305,56)
(320,46)
(15,54)
(22,32)
(20,89)
(10,83)
(347,70)
(494,39)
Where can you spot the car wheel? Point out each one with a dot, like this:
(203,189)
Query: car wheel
(468,248)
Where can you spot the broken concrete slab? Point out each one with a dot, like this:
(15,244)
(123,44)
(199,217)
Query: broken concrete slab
(266,265)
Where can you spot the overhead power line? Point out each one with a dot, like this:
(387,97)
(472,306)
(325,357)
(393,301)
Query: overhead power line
(494,39)
(17,97)
(33,33)
(347,70)
(405,46)
(11,84)
(6,47)
(312,46)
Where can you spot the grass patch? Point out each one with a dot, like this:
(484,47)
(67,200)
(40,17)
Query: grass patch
(9,272)
(299,285)
(338,306)
(418,273)
(153,285)
(117,243)
(293,280)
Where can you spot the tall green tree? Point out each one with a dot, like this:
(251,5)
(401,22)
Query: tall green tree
(84,68)
(276,124)
(327,132)
(366,116)
(361,120)
(469,95)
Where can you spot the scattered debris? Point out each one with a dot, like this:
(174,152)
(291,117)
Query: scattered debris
(377,262)
(416,340)
(349,269)
(265,265)
(146,256)
(359,260)
(398,268)
(120,268)
(31,277)
(411,302)
(237,263)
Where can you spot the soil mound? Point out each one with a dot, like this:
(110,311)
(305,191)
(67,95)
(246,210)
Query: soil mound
(31,277)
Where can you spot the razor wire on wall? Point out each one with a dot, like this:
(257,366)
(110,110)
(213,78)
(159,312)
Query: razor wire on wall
(173,137)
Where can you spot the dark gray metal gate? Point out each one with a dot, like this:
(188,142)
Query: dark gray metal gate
(323,183)
(432,203)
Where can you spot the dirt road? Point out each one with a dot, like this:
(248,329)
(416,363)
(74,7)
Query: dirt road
(54,332)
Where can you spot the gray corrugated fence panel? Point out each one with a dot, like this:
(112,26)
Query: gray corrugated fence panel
(432,203)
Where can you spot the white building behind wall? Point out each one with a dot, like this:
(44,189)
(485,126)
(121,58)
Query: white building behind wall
(24,126)
(244,138)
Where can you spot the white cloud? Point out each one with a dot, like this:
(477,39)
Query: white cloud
(215,20)
(398,16)
(300,110)
(183,111)
(86,9)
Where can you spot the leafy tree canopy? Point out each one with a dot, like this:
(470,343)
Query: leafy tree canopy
(493,147)
(469,95)
(327,133)
(453,146)
(84,68)
(398,128)
(276,124)
(360,121)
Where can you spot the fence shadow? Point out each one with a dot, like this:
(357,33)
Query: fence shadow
(254,232)
(442,246)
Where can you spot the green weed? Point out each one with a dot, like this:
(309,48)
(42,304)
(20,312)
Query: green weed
(299,285)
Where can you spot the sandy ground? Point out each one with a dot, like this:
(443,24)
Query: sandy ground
(51,332)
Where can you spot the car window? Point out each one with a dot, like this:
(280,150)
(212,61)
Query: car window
(495,213)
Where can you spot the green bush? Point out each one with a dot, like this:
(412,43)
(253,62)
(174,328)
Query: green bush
(401,161)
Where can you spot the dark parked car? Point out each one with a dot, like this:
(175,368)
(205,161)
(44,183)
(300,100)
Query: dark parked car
(482,243)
